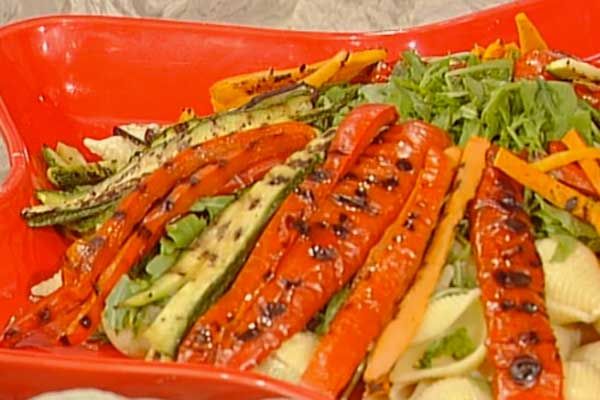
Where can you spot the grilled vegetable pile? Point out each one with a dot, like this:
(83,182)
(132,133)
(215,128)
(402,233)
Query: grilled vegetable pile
(420,229)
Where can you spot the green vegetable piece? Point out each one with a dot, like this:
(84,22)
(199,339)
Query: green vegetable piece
(151,159)
(457,345)
(70,154)
(117,316)
(184,230)
(92,222)
(160,264)
(333,307)
(209,266)
(212,205)
(572,69)
(55,197)
(553,221)
(71,176)
(52,158)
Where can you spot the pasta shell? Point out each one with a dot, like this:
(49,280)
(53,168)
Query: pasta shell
(457,388)
(582,381)
(405,372)
(589,353)
(443,311)
(291,359)
(572,285)
(567,338)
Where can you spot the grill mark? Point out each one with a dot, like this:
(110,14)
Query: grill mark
(358,202)
(516,225)
(301,226)
(525,370)
(322,253)
(512,279)
(404,164)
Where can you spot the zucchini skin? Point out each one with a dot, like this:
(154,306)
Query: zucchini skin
(71,176)
(217,256)
(125,180)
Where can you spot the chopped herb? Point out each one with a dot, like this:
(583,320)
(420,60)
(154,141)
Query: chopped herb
(552,221)
(335,305)
(457,345)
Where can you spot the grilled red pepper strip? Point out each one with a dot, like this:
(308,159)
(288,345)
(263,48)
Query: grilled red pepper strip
(354,133)
(335,244)
(532,65)
(382,281)
(175,204)
(571,174)
(521,344)
(99,251)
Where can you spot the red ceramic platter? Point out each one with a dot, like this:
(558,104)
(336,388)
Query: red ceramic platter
(67,77)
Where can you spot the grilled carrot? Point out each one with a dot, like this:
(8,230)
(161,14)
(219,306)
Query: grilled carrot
(98,252)
(354,133)
(382,281)
(334,245)
(521,345)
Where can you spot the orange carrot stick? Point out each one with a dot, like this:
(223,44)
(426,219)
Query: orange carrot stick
(382,281)
(353,135)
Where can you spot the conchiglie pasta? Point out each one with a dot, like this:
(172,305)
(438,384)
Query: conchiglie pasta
(456,388)
(443,311)
(582,381)
(406,372)
(572,285)
(589,353)
(291,359)
(567,339)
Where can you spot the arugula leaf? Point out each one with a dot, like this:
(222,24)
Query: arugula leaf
(159,264)
(334,305)
(457,344)
(183,231)
(460,259)
(553,221)
(566,245)
(117,317)
(479,98)
(212,205)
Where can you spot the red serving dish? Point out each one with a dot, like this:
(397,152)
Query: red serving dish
(67,77)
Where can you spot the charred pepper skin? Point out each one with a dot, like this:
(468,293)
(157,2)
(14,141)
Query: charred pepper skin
(521,344)
(317,266)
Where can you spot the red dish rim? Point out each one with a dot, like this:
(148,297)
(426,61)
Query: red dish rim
(18,157)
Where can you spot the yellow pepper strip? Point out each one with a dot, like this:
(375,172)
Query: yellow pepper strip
(549,188)
(356,63)
(529,37)
(327,70)
(186,115)
(574,141)
(557,160)
(495,50)
(398,334)
(238,90)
